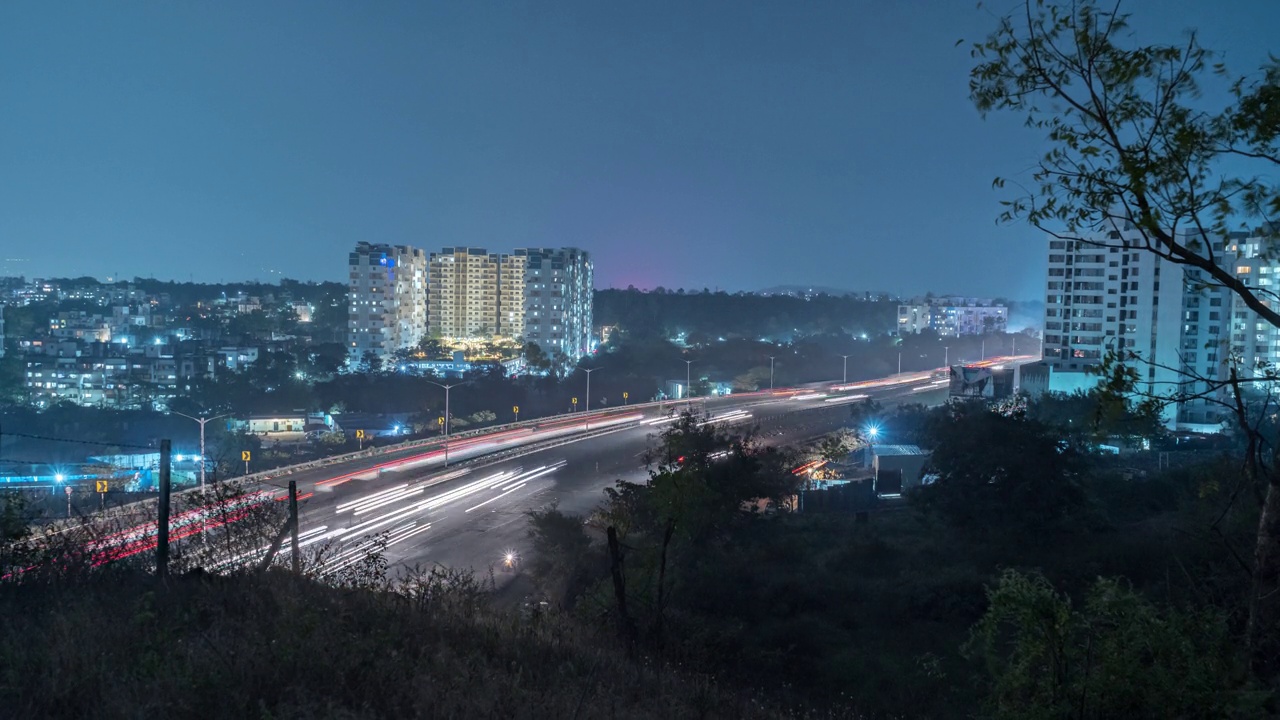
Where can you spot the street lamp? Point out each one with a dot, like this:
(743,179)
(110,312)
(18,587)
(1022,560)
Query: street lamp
(202,422)
(688,385)
(588,371)
(447,388)
(899,362)
(771,357)
(946,356)
(846,368)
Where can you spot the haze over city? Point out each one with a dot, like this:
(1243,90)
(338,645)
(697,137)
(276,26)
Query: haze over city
(683,144)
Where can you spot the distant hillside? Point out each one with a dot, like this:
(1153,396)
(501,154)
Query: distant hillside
(818,290)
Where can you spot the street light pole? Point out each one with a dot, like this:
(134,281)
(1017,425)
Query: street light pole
(771,357)
(588,371)
(899,362)
(202,422)
(688,384)
(984,348)
(447,388)
(846,369)
(946,356)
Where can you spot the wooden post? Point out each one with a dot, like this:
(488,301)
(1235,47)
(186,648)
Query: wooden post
(162,523)
(293,524)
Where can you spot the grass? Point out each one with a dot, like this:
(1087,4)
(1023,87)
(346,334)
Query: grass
(126,645)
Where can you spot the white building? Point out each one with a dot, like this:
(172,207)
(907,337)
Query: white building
(1120,298)
(475,294)
(559,287)
(953,316)
(388,300)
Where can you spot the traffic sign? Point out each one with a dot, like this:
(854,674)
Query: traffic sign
(440,420)
(100,485)
(360,435)
(515,408)
(625,396)
(575,401)
(245,455)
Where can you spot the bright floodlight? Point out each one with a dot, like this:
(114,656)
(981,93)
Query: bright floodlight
(59,477)
(873,431)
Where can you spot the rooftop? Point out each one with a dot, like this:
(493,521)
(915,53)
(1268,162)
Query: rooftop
(887,450)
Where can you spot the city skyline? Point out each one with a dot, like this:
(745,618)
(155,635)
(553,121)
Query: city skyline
(251,142)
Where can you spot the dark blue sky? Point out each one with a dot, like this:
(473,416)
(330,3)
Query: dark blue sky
(684,143)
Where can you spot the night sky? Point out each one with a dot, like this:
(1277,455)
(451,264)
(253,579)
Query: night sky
(737,145)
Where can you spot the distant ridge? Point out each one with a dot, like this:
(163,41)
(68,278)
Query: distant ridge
(818,290)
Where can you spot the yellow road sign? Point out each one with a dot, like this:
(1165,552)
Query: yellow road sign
(100,485)
(625,396)
(515,408)
(359,434)
(245,455)
(440,420)
(575,401)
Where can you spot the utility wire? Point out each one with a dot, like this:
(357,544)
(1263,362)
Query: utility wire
(82,442)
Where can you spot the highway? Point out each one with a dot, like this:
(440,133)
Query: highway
(471,513)
(472,516)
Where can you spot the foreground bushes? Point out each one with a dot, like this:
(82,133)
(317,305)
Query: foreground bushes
(277,646)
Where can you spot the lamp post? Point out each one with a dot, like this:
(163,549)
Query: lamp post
(447,388)
(946,356)
(846,369)
(899,362)
(202,422)
(984,348)
(771,358)
(688,384)
(588,371)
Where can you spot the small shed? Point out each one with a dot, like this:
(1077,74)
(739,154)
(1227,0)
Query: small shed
(897,468)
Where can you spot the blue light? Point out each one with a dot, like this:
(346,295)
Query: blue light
(59,477)
(873,432)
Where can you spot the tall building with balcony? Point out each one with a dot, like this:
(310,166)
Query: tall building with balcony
(953,316)
(1114,296)
(559,286)
(388,299)
(475,294)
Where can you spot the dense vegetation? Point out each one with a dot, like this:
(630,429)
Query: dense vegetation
(1032,579)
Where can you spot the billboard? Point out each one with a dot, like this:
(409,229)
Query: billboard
(981,382)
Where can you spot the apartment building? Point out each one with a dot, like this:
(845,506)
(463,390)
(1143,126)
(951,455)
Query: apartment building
(953,316)
(388,296)
(558,300)
(474,294)
(1119,297)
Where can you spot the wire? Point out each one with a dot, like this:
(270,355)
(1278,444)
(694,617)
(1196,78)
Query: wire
(82,442)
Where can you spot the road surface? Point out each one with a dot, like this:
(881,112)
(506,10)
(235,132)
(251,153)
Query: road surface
(471,516)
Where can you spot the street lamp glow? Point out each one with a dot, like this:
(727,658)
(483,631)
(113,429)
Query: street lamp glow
(873,432)
(59,477)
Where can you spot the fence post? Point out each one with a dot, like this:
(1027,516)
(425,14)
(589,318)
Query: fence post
(293,523)
(162,523)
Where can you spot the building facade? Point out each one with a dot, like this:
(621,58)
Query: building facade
(388,300)
(1116,296)
(953,317)
(475,294)
(559,286)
